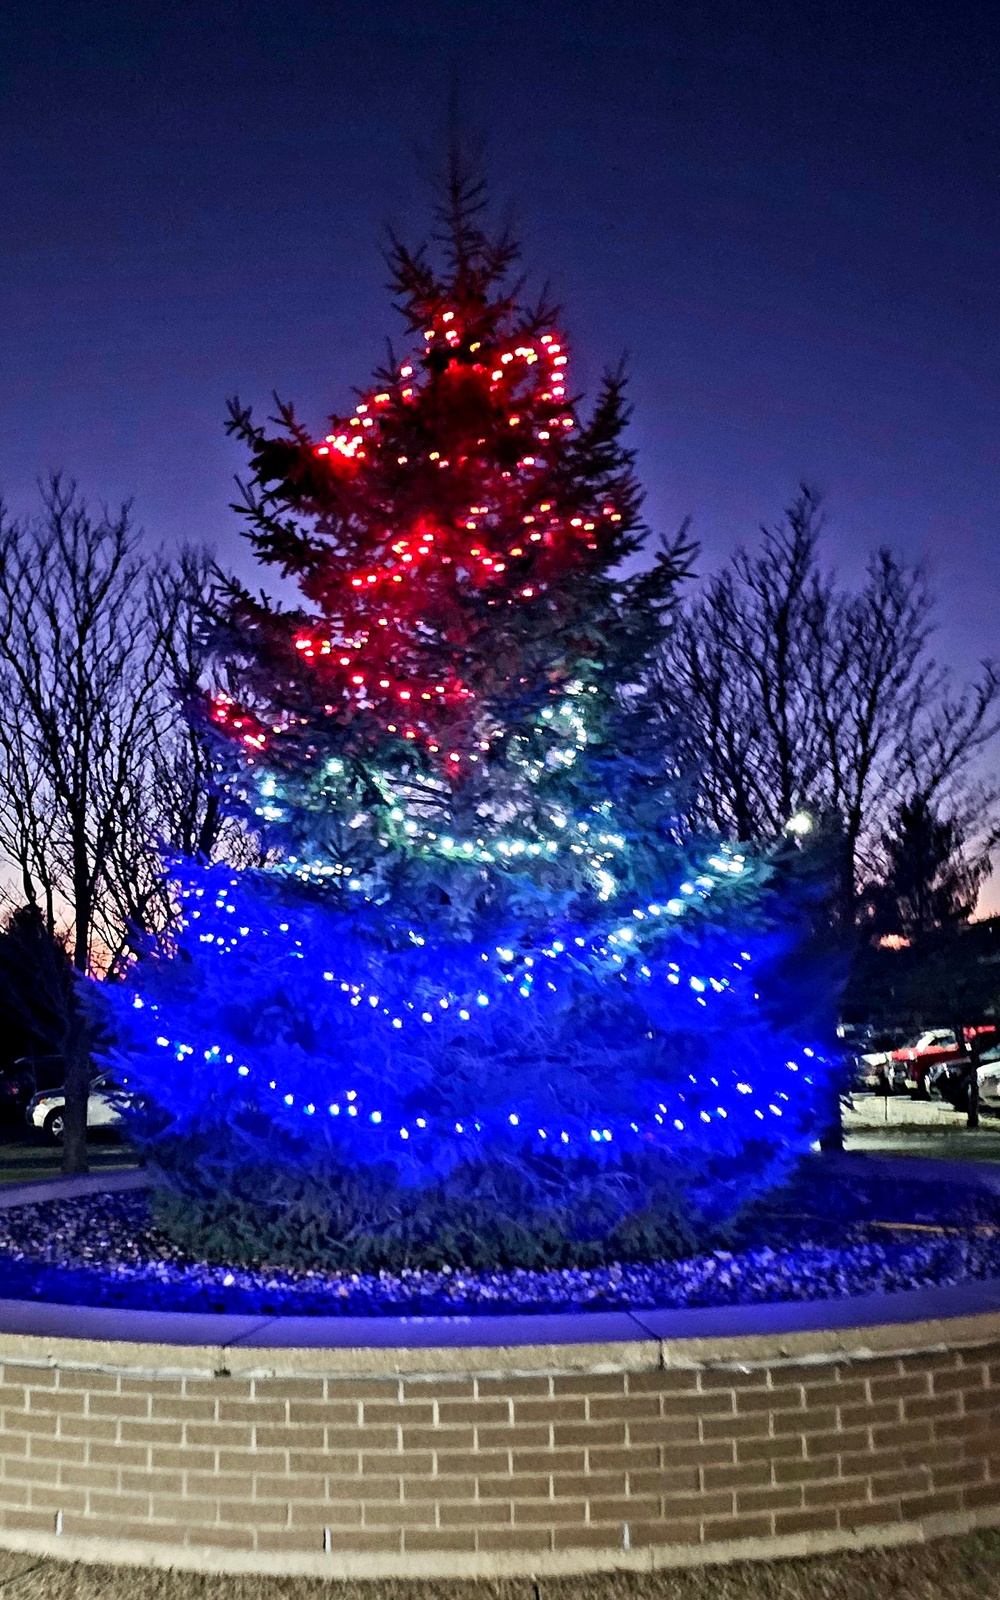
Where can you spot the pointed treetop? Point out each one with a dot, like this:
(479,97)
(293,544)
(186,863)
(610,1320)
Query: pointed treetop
(471,272)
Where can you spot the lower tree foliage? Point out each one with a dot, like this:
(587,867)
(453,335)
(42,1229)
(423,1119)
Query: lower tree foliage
(316,1093)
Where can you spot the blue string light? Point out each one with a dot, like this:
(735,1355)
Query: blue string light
(374,1014)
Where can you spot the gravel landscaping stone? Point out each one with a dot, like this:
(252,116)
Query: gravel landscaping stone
(820,1239)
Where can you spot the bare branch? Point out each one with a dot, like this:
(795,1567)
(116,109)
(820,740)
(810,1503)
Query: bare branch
(796,692)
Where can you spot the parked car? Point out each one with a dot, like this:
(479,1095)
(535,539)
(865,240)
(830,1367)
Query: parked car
(872,1052)
(22,1079)
(927,1063)
(105,1107)
(919,1065)
(885,1069)
(989,1077)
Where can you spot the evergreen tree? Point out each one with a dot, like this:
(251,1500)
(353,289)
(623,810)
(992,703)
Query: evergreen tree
(929,885)
(479,1007)
(50,1017)
(464,539)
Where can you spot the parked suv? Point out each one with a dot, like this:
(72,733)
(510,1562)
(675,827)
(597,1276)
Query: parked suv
(105,1106)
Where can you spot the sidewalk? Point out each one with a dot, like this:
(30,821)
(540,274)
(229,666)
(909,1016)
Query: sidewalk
(899,1110)
(897,1125)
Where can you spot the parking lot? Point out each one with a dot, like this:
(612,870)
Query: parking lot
(897,1123)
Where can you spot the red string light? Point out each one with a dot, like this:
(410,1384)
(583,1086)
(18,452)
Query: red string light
(374,662)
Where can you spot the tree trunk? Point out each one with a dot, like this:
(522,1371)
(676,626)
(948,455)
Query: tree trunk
(972,1115)
(832,1134)
(77,1065)
(209,830)
(76,1088)
(958,1029)
(832,1138)
(972,1109)
(76,1056)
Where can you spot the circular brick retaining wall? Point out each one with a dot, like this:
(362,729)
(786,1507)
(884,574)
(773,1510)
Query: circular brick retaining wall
(458,1461)
(498,1445)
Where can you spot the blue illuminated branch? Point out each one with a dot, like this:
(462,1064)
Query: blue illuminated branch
(384,1020)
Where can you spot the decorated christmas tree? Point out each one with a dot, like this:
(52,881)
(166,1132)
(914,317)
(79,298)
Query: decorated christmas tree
(485,1004)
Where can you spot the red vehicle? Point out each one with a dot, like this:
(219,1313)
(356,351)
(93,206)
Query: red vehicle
(916,1063)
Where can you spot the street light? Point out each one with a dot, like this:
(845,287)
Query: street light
(800,823)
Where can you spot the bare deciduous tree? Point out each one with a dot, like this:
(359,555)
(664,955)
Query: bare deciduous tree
(173,804)
(96,773)
(188,596)
(798,693)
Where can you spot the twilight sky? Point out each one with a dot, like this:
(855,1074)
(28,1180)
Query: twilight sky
(786,213)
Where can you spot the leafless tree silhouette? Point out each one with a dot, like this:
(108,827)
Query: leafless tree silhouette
(795,692)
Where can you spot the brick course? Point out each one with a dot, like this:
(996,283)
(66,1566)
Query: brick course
(660,1457)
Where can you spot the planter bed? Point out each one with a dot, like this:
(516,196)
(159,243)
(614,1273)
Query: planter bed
(499,1444)
(831,1236)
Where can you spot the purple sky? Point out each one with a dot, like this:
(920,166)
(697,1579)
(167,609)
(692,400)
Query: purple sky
(787,214)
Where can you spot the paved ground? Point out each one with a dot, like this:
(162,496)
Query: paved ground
(897,1125)
(950,1144)
(900,1111)
(947,1569)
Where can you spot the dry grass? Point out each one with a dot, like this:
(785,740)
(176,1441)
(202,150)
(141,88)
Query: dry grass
(946,1569)
(24,1160)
